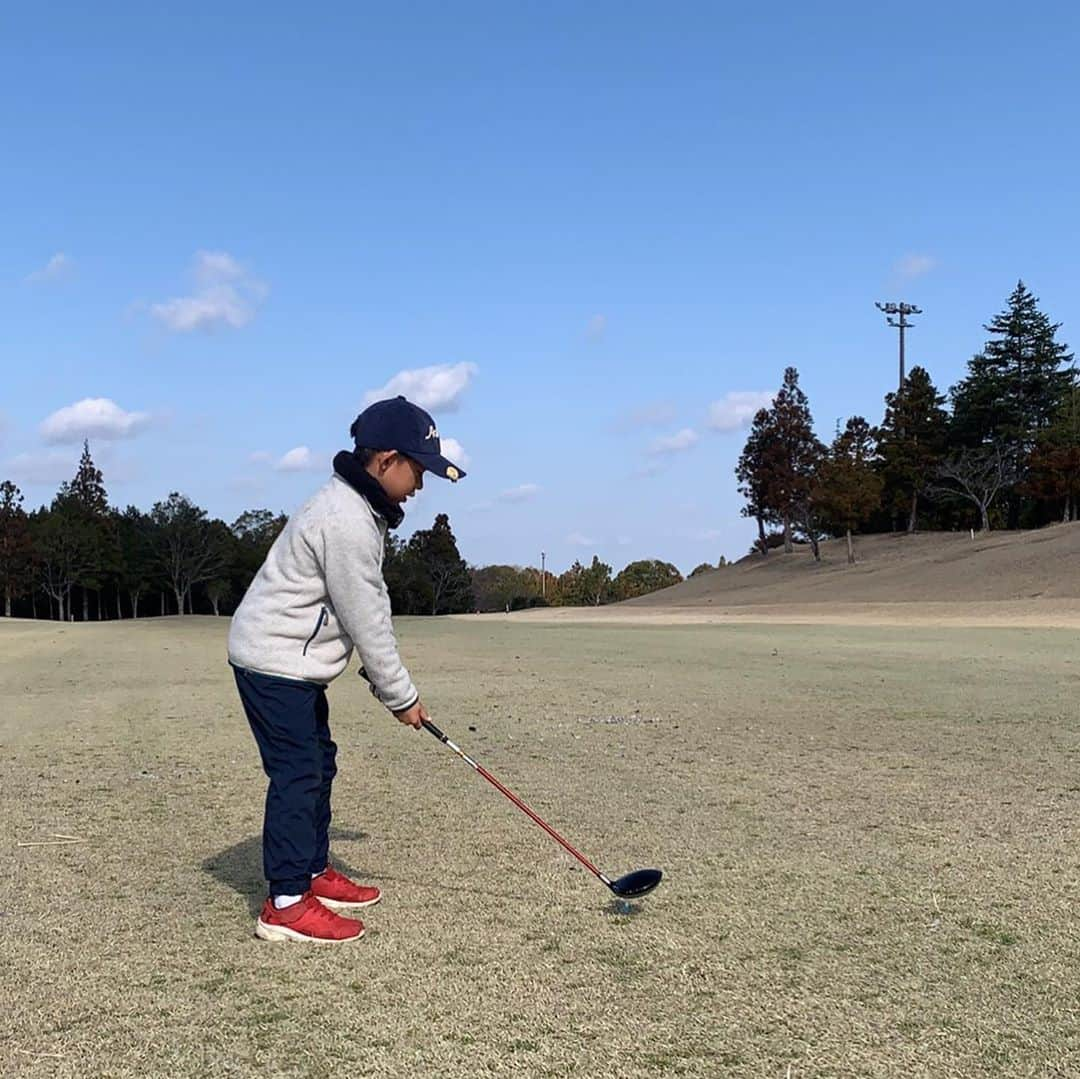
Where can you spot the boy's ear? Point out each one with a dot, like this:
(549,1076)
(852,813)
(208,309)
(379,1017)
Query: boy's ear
(385,460)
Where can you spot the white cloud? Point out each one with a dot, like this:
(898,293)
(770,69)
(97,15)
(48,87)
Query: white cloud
(596,327)
(48,467)
(521,493)
(260,457)
(300,459)
(624,541)
(226,295)
(576,539)
(738,408)
(437,388)
(93,417)
(56,269)
(912,266)
(676,443)
(454,451)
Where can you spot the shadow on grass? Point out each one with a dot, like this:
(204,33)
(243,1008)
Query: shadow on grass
(240,866)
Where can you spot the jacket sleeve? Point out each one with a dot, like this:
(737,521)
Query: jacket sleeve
(352,565)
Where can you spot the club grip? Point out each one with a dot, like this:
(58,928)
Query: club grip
(428,725)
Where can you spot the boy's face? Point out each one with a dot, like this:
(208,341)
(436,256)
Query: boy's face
(401,477)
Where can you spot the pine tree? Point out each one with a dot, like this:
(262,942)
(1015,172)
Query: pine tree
(911,443)
(1016,385)
(791,457)
(66,544)
(136,562)
(848,489)
(88,486)
(16,545)
(1054,466)
(445,572)
(751,472)
(86,496)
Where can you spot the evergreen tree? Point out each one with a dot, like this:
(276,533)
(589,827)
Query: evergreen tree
(405,581)
(88,498)
(445,573)
(848,489)
(218,584)
(752,473)
(502,587)
(16,545)
(67,548)
(791,457)
(136,570)
(255,532)
(1016,385)
(645,576)
(586,586)
(88,486)
(1054,466)
(911,443)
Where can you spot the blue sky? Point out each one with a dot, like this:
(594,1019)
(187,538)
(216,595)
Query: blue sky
(576,230)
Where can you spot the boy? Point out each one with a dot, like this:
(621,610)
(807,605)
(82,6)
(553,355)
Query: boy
(319,594)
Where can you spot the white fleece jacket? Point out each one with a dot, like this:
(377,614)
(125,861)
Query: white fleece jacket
(319,594)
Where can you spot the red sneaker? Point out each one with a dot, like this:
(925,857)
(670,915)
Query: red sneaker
(336,891)
(307,920)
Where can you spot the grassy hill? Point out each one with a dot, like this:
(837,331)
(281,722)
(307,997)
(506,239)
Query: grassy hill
(923,568)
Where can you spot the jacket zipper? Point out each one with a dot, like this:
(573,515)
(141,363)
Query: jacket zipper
(324,618)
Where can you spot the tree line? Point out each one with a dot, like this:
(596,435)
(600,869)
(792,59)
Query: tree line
(1005,453)
(79,558)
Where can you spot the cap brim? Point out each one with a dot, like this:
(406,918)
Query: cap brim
(439,465)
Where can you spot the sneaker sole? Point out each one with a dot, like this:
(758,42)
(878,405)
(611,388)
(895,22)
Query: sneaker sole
(281,932)
(339,905)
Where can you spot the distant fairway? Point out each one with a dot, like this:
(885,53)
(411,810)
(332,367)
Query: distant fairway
(868,834)
(1037,571)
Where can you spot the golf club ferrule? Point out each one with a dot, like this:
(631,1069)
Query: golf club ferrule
(463,755)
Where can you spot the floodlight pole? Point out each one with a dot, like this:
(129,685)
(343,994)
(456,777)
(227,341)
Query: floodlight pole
(543,576)
(902,310)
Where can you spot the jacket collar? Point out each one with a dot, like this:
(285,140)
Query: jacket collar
(363,482)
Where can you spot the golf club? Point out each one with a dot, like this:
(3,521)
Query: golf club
(630,886)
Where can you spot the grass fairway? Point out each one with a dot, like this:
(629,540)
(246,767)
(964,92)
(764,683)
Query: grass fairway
(868,835)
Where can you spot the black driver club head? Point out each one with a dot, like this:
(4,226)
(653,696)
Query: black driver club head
(636,884)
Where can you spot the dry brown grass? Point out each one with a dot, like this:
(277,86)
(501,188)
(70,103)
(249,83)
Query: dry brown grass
(1024,568)
(868,834)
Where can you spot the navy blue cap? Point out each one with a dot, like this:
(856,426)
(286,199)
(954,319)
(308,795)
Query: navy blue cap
(397,424)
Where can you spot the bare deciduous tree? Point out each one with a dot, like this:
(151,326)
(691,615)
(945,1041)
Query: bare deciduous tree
(977,476)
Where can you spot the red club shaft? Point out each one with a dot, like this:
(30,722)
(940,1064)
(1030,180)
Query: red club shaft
(543,824)
(429,726)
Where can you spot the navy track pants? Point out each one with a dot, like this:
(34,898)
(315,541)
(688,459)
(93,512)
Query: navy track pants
(291,723)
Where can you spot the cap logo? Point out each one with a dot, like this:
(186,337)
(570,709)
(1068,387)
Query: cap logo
(431,433)
(452,474)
